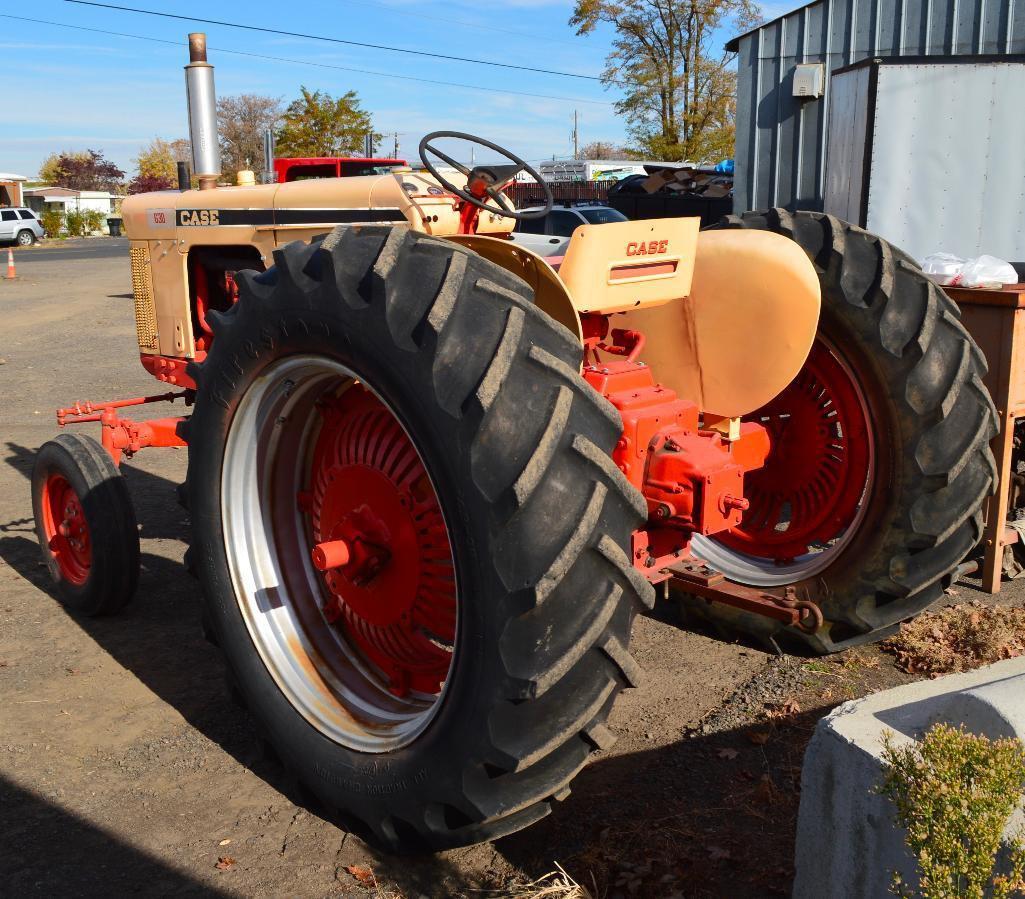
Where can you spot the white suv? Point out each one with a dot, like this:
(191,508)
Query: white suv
(20,225)
(550,234)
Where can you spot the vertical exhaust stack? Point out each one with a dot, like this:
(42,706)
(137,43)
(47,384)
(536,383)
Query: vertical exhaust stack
(199,87)
(269,175)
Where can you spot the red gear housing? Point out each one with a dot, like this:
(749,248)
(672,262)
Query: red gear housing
(691,476)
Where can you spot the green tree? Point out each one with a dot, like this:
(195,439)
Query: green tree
(241,122)
(317,124)
(679,89)
(159,159)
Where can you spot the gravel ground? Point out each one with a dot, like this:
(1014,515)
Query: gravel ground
(125,768)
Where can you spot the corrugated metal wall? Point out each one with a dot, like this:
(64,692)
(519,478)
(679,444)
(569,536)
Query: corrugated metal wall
(780,148)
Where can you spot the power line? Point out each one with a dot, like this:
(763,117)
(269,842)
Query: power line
(305,62)
(409,13)
(333,40)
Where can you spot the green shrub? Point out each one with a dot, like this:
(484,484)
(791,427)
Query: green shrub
(74,221)
(53,221)
(81,222)
(954,793)
(94,220)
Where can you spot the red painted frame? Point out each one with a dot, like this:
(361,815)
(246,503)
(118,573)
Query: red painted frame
(124,436)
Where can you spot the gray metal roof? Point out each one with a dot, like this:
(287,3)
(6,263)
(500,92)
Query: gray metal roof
(921,27)
(733,44)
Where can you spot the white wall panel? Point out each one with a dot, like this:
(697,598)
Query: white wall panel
(948,159)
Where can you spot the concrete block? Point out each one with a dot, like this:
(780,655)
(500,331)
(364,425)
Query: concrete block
(848,845)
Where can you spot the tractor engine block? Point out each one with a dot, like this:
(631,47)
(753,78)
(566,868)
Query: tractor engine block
(690,473)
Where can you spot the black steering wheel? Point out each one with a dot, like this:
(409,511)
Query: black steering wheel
(489,179)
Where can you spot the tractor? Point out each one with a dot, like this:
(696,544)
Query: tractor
(433,476)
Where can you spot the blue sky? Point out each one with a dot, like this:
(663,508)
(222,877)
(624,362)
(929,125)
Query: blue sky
(69,89)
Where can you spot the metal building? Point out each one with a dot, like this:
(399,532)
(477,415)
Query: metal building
(780,151)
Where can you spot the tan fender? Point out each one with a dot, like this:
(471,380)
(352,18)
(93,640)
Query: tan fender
(550,295)
(745,330)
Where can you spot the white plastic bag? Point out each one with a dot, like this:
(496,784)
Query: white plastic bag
(983,271)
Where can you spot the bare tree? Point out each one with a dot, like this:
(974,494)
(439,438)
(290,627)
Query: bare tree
(242,120)
(679,87)
(603,149)
(159,159)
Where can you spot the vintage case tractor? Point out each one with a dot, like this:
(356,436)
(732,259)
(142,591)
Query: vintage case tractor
(433,476)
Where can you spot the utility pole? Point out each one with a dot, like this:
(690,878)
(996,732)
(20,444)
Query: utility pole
(576,135)
(395,147)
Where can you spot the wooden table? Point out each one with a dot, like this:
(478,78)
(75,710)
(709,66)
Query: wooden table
(996,319)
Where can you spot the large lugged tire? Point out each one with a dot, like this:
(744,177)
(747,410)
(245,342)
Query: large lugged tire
(384,350)
(85,524)
(881,456)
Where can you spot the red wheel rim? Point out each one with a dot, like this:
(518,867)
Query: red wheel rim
(66,529)
(392,589)
(809,493)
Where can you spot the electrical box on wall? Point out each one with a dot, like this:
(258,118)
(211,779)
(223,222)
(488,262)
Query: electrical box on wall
(809,79)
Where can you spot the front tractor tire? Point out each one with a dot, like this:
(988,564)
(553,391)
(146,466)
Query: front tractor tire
(85,524)
(410,535)
(872,494)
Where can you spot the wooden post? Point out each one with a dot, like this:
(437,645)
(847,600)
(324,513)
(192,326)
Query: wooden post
(996,319)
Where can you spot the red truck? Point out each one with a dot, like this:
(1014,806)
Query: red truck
(298,168)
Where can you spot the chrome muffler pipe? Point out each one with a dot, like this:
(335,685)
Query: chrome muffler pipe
(202,98)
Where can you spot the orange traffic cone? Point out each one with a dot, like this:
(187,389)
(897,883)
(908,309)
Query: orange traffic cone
(10,265)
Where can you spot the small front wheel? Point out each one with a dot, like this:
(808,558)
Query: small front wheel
(85,524)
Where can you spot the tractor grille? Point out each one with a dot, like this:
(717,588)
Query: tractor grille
(142,287)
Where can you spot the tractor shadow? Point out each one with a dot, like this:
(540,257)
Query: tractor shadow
(703,816)
(94,860)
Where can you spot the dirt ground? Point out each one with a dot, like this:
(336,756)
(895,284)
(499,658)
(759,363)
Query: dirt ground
(124,767)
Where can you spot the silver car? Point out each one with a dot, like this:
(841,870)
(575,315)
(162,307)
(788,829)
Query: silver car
(20,225)
(550,234)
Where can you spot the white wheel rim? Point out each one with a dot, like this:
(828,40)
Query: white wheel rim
(279,592)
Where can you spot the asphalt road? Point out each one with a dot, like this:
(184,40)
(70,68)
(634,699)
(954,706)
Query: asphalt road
(72,250)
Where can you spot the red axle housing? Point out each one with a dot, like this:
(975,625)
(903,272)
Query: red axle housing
(692,477)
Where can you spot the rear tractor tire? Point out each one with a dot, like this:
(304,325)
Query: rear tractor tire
(85,524)
(410,535)
(872,493)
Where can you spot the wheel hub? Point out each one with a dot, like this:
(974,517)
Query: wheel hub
(381,544)
(809,490)
(66,528)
